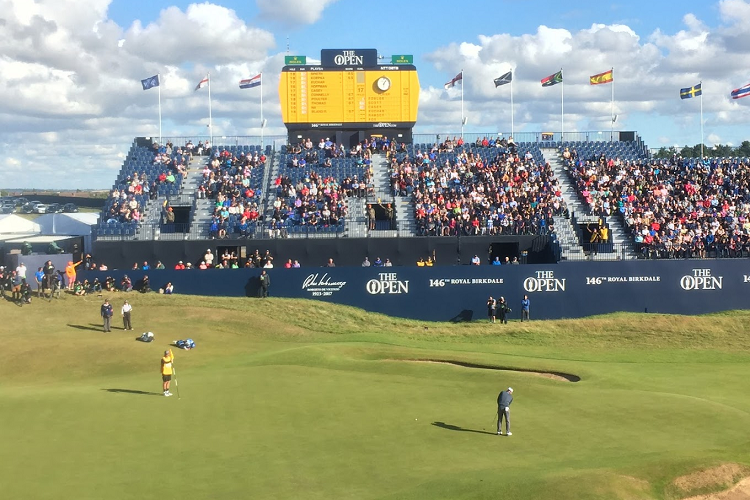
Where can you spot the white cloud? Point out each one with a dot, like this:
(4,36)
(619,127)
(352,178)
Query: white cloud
(649,70)
(293,11)
(71,80)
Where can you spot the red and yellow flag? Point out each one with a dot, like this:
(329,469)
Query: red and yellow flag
(606,77)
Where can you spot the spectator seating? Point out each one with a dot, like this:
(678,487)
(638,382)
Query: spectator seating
(470,190)
(677,208)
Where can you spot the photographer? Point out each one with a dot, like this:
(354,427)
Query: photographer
(503,310)
(48,270)
(491,309)
(25,292)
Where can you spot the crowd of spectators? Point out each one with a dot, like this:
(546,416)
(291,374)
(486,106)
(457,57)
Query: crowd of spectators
(313,202)
(490,190)
(125,199)
(228,180)
(678,208)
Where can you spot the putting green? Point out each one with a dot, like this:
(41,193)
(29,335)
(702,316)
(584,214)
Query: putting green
(296,399)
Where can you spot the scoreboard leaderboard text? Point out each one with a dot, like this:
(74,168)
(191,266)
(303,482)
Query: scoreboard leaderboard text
(377,96)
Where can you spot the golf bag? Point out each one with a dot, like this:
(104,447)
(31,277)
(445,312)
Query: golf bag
(185,344)
(146,337)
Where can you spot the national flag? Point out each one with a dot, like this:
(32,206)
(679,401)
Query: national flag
(150,82)
(202,83)
(552,79)
(689,92)
(250,82)
(459,77)
(741,92)
(606,77)
(502,80)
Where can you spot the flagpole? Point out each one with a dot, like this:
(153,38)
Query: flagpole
(701,84)
(512,128)
(210,118)
(562,106)
(612,109)
(158,79)
(462,103)
(262,123)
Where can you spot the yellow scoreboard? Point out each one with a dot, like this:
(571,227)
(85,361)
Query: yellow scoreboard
(378,96)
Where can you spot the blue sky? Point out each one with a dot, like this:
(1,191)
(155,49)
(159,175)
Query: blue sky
(84,99)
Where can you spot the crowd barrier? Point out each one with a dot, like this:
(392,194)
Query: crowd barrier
(460,293)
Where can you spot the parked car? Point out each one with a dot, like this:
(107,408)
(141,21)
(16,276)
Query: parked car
(70,208)
(54,208)
(39,208)
(21,201)
(7,207)
(26,208)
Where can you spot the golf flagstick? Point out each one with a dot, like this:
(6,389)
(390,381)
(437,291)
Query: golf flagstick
(174,372)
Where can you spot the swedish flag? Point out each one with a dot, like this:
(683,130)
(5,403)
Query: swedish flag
(689,92)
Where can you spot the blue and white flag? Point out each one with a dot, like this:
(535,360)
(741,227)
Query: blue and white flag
(150,82)
(250,82)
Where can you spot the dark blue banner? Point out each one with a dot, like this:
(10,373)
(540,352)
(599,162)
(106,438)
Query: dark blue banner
(569,290)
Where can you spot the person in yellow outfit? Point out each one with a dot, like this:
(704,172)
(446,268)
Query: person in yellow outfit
(166,371)
(70,273)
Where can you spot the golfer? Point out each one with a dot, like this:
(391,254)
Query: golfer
(504,399)
(166,371)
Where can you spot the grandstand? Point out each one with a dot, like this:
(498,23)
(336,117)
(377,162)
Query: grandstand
(523,200)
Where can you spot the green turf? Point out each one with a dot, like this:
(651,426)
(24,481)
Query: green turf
(296,399)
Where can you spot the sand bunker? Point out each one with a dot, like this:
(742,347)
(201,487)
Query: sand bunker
(564,377)
(723,476)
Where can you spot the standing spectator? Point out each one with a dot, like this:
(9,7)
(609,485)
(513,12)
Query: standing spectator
(126,310)
(107,312)
(265,282)
(525,305)
(497,262)
(145,266)
(179,266)
(504,399)
(21,271)
(49,275)
(370,217)
(366,262)
(70,273)
(159,265)
(209,258)
(39,278)
(475,261)
(491,309)
(330,263)
(503,310)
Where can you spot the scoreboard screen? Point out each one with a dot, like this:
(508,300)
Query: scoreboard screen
(334,97)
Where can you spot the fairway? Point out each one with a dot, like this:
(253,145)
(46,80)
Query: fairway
(298,399)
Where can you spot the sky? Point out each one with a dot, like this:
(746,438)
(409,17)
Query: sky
(72,103)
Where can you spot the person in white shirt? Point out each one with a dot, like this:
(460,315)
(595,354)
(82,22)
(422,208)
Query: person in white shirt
(21,271)
(126,310)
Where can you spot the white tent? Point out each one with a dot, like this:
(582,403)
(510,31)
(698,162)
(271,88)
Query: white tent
(76,224)
(14,224)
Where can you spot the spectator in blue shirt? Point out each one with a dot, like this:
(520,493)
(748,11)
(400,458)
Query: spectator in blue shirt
(525,305)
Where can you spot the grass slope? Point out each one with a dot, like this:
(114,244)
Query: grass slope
(298,399)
